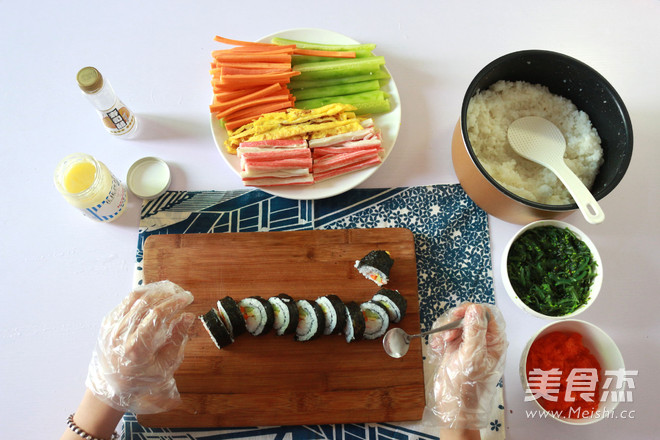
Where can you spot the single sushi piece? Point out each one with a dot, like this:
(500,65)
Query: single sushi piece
(376,319)
(231,316)
(335,313)
(258,315)
(219,333)
(311,321)
(286,314)
(394,303)
(376,266)
(355,324)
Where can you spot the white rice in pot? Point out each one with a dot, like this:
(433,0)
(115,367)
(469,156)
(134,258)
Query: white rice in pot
(489,114)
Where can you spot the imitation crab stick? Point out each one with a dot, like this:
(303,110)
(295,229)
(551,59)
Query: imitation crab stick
(320,176)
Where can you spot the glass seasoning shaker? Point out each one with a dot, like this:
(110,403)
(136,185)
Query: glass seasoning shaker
(88,185)
(116,117)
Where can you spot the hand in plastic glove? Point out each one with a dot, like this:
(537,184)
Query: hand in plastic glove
(139,347)
(469,362)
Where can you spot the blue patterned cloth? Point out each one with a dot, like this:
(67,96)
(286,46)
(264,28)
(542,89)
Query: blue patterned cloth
(452,247)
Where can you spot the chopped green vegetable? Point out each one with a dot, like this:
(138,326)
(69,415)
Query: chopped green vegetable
(551,270)
(336,90)
(374,101)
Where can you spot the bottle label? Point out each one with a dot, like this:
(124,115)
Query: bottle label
(119,119)
(112,206)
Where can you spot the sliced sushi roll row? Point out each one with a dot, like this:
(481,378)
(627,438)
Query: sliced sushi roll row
(304,319)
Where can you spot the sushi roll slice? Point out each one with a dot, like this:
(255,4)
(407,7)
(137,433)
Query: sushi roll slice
(213,324)
(286,314)
(355,325)
(258,315)
(311,321)
(376,319)
(376,266)
(231,316)
(394,303)
(335,313)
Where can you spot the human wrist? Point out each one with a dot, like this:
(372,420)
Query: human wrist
(95,418)
(459,434)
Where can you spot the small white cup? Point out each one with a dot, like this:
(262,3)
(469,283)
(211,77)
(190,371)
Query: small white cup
(602,347)
(595,285)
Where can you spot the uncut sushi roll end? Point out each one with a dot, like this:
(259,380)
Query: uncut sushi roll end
(375,266)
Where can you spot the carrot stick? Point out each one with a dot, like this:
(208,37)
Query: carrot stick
(265,91)
(231,70)
(224,95)
(324,53)
(257,111)
(254,79)
(220,39)
(248,65)
(241,86)
(263,100)
(252,49)
(241,71)
(251,57)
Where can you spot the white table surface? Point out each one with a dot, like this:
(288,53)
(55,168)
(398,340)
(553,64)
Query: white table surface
(61,273)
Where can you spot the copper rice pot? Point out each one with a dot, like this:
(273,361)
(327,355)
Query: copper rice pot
(564,76)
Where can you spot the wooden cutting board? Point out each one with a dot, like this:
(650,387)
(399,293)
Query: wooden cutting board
(273,380)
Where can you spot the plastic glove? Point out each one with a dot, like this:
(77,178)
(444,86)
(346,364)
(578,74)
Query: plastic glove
(468,364)
(139,347)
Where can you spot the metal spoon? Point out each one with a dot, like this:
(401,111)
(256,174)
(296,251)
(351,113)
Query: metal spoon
(396,341)
(540,141)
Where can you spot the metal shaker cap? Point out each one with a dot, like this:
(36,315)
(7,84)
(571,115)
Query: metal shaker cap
(89,79)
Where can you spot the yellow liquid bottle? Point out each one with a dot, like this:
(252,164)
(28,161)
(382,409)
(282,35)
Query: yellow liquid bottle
(88,185)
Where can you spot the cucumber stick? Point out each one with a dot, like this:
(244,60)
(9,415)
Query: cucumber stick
(336,90)
(303,84)
(321,46)
(300,59)
(375,101)
(340,68)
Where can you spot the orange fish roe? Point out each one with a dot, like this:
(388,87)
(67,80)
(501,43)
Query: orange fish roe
(565,352)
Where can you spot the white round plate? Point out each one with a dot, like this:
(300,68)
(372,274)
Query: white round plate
(388,123)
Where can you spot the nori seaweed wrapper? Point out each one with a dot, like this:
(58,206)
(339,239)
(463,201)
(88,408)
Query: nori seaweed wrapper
(340,310)
(214,325)
(379,259)
(319,316)
(233,312)
(291,306)
(397,299)
(355,319)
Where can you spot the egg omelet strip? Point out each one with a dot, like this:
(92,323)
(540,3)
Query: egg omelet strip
(295,123)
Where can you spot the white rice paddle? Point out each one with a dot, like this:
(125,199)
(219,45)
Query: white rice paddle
(540,141)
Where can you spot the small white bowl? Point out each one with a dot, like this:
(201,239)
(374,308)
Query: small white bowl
(595,285)
(602,347)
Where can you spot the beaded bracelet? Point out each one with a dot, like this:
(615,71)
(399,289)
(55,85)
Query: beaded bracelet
(75,428)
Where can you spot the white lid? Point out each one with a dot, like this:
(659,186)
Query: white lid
(149,177)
